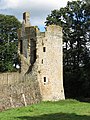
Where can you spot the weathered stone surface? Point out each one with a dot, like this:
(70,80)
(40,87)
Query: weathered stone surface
(11,94)
(41,76)
(44,50)
(50,63)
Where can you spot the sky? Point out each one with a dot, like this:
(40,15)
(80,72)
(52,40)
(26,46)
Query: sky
(38,9)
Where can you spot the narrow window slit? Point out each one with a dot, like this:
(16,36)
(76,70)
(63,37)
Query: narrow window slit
(44,79)
(42,61)
(44,49)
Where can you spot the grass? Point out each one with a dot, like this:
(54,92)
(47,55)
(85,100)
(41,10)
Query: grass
(61,110)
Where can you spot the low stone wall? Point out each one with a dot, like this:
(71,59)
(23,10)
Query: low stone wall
(9,78)
(16,91)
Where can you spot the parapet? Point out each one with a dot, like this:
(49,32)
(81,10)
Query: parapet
(53,28)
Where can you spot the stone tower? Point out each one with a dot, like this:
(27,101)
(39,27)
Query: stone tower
(42,57)
(26,18)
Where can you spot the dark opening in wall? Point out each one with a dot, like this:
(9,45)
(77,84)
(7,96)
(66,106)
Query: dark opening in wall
(42,61)
(34,56)
(21,46)
(32,51)
(44,49)
(44,79)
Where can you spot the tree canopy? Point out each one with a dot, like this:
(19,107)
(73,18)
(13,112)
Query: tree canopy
(75,21)
(8,42)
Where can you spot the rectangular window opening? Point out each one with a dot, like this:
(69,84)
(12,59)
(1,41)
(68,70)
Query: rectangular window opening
(42,61)
(44,79)
(44,49)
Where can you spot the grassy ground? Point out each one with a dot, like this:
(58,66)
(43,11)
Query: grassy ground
(62,110)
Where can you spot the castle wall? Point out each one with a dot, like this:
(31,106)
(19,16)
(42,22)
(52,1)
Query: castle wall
(41,76)
(16,91)
(50,64)
(28,55)
(46,56)
(9,78)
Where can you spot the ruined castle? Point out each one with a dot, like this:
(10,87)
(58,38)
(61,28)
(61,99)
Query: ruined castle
(41,76)
(42,57)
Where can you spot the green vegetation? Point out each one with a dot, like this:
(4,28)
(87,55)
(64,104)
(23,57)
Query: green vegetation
(61,110)
(8,42)
(75,21)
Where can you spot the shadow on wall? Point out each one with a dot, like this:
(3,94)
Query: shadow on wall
(56,116)
(29,69)
(32,54)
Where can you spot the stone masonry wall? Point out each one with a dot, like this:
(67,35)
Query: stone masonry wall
(50,64)
(18,92)
(9,78)
(41,76)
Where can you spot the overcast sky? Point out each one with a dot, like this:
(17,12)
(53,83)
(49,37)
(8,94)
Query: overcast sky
(39,9)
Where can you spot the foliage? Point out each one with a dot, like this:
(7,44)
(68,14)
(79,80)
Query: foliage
(61,110)
(8,42)
(75,20)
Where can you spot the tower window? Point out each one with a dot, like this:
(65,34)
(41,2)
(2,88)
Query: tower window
(42,61)
(45,80)
(44,49)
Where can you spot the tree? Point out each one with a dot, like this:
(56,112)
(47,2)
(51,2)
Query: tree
(8,42)
(75,20)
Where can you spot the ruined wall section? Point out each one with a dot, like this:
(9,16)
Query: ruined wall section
(9,78)
(23,49)
(50,65)
(16,91)
(28,56)
(41,76)
(13,87)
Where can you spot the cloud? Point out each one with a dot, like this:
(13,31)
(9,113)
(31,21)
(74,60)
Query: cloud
(5,4)
(31,3)
(39,9)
